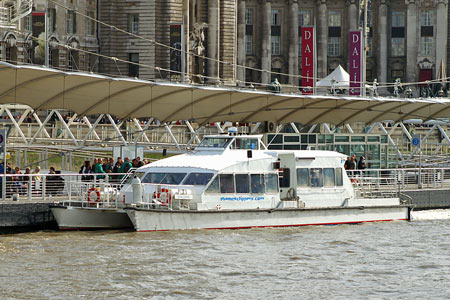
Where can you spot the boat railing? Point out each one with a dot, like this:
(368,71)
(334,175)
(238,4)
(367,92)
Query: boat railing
(68,187)
(376,182)
(170,197)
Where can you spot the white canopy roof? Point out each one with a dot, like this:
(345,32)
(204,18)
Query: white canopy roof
(340,75)
(89,94)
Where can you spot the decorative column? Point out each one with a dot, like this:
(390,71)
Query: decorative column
(383,41)
(322,39)
(353,18)
(266,47)
(213,35)
(293,42)
(241,43)
(411,41)
(441,33)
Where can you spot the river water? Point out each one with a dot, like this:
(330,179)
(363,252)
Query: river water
(393,260)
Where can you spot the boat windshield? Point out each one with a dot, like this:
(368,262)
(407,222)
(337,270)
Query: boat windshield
(198,178)
(130,178)
(215,142)
(164,178)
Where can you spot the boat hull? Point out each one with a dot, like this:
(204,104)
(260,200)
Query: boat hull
(156,220)
(79,218)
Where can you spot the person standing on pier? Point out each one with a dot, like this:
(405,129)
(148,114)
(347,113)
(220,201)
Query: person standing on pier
(98,169)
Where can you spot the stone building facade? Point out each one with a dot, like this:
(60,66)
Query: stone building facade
(65,28)
(407,39)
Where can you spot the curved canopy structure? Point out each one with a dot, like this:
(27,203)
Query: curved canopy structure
(89,94)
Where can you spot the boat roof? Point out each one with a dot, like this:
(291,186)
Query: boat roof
(219,160)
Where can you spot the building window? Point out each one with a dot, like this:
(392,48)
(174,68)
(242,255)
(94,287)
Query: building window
(28,23)
(276,17)
(248,16)
(133,23)
(334,46)
(426,18)
(304,19)
(71,23)
(398,19)
(54,58)
(249,44)
(51,20)
(334,18)
(133,69)
(426,46)
(90,23)
(275,45)
(397,46)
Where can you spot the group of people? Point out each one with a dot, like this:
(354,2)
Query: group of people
(19,183)
(107,165)
(353,164)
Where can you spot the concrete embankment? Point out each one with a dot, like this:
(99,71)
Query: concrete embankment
(429,198)
(25,215)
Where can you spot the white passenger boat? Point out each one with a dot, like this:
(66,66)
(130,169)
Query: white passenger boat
(235,182)
(98,205)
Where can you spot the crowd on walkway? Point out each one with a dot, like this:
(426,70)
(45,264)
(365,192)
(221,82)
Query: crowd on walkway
(108,165)
(353,164)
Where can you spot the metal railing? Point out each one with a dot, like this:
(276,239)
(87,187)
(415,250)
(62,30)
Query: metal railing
(376,182)
(60,187)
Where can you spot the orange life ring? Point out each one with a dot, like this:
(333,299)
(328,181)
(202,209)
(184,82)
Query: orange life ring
(97,192)
(168,198)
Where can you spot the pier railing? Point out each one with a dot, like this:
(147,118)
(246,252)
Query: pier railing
(376,182)
(87,189)
(77,187)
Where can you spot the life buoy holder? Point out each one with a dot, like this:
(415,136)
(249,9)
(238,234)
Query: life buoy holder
(97,193)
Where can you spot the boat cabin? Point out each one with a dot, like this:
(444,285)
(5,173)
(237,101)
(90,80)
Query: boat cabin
(238,172)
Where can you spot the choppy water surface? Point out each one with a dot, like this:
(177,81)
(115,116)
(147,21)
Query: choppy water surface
(399,260)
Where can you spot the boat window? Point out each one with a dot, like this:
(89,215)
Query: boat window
(226,183)
(173,178)
(339,180)
(271,183)
(215,142)
(316,177)
(242,183)
(138,174)
(214,186)
(285,177)
(328,177)
(163,178)
(303,177)
(198,178)
(257,183)
(153,177)
(251,144)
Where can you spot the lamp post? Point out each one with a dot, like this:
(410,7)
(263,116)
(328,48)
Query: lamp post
(364,48)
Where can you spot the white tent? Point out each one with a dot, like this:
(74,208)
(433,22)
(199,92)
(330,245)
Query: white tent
(340,75)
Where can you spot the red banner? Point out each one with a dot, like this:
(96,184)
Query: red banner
(308,60)
(355,63)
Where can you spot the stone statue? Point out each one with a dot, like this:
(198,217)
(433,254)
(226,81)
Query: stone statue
(197,37)
(375,88)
